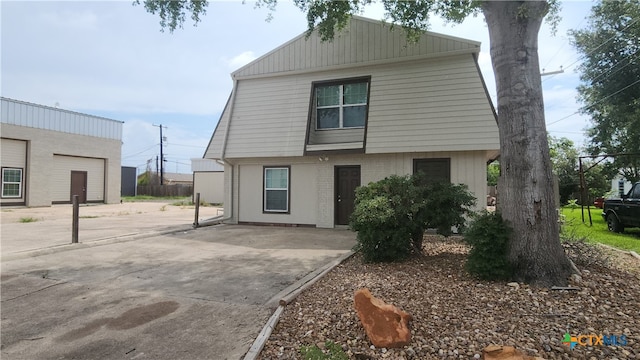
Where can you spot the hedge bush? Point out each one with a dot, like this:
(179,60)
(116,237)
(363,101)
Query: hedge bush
(392,214)
(488,236)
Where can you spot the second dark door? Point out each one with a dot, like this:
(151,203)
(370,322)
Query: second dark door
(347,180)
(79,186)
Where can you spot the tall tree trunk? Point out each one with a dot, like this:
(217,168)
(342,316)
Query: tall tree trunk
(525,185)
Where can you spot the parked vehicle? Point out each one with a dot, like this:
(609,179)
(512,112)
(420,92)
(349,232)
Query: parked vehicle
(598,202)
(623,212)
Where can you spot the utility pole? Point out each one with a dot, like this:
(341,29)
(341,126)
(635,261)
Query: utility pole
(161,154)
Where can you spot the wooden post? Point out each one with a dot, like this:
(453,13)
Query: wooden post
(76,213)
(197,201)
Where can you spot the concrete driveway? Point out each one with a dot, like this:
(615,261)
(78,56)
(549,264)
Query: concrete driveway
(185,294)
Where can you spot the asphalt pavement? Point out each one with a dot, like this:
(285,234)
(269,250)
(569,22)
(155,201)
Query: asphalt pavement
(143,284)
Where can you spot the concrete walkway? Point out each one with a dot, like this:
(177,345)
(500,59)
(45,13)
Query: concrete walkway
(27,229)
(174,293)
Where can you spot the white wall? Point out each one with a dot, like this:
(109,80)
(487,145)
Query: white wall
(312,182)
(210,185)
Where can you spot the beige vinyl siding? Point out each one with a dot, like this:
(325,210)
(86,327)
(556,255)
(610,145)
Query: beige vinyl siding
(61,177)
(313,184)
(428,105)
(269,117)
(13,154)
(214,150)
(363,41)
(439,107)
(302,206)
(334,136)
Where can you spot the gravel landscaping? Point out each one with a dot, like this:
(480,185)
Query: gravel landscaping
(455,316)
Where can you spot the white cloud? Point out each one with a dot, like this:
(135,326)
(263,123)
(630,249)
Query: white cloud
(241,60)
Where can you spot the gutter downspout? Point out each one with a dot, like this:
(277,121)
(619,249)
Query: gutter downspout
(224,146)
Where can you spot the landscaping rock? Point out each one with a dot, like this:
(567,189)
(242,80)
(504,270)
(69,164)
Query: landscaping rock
(499,352)
(385,325)
(453,310)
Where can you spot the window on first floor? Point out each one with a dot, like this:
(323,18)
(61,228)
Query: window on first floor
(341,104)
(435,170)
(276,189)
(11,183)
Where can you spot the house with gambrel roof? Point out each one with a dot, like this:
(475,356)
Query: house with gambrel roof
(310,121)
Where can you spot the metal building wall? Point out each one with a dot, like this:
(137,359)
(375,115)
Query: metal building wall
(22,113)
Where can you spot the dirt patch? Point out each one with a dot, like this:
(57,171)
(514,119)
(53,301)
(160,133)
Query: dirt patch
(129,319)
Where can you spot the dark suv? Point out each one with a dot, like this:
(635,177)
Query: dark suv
(623,212)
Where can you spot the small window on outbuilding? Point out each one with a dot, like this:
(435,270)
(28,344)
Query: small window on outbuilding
(11,182)
(276,189)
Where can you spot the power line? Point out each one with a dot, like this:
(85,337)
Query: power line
(611,69)
(193,146)
(566,41)
(595,49)
(138,153)
(597,102)
(603,43)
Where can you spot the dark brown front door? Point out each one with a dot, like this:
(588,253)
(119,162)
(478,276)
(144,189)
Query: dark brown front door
(347,180)
(79,186)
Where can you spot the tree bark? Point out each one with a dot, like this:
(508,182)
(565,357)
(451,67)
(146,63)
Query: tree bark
(525,185)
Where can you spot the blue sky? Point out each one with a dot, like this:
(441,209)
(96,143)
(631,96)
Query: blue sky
(109,58)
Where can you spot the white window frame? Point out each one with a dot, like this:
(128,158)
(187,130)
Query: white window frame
(266,189)
(12,182)
(340,106)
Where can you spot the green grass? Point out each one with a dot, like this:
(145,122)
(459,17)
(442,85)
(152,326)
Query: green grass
(598,233)
(188,202)
(27,219)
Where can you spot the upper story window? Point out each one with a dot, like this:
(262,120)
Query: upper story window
(342,104)
(11,183)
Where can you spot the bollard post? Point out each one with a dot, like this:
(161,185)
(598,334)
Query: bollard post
(195,221)
(76,213)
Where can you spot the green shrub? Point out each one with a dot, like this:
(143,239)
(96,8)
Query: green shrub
(446,206)
(392,214)
(333,352)
(488,236)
